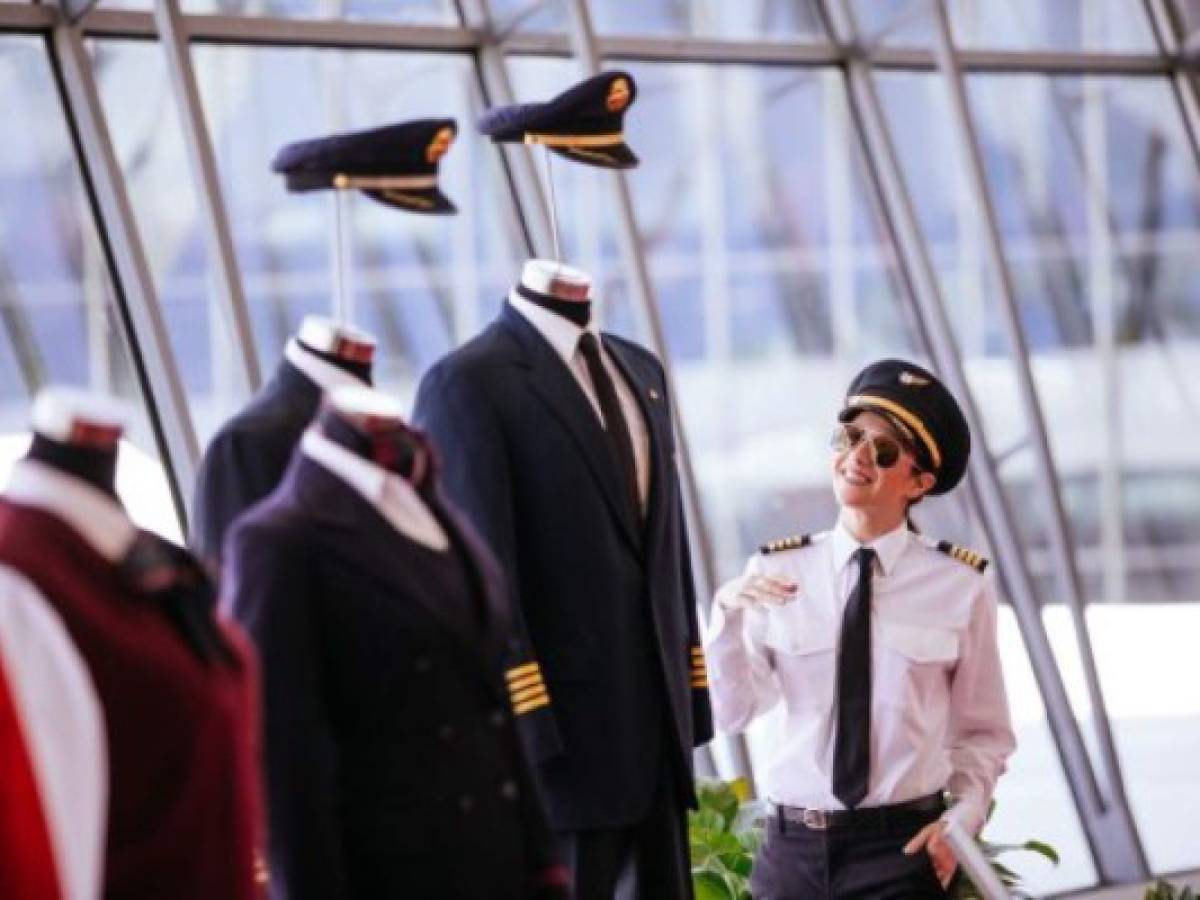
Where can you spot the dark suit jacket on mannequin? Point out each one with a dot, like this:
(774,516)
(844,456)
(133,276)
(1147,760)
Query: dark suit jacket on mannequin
(247,457)
(607,602)
(393,763)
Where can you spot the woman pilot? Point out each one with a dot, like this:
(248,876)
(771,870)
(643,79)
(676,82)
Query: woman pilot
(881,644)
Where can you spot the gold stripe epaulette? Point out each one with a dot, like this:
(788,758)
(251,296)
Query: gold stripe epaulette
(963,555)
(699,669)
(526,688)
(795,542)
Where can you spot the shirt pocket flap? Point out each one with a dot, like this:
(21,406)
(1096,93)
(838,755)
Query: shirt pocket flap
(796,635)
(920,643)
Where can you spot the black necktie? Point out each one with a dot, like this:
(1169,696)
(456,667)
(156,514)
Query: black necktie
(614,420)
(852,746)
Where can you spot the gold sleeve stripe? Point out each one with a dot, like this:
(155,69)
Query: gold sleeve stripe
(528,693)
(530,705)
(699,682)
(525,669)
(528,681)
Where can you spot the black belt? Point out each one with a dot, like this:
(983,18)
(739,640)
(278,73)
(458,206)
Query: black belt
(868,817)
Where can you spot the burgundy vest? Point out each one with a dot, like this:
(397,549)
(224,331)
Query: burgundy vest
(184,807)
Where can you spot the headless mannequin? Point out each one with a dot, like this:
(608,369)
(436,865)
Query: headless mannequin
(78,433)
(348,348)
(563,290)
(368,423)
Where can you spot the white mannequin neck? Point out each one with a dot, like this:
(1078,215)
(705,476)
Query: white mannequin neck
(328,336)
(77,417)
(363,404)
(554,279)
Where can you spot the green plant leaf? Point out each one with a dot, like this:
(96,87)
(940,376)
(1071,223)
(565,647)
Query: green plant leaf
(711,886)
(1043,848)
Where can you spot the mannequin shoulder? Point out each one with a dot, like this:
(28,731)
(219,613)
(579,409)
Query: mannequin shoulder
(955,552)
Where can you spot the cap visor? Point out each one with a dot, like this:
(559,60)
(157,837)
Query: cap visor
(429,202)
(618,156)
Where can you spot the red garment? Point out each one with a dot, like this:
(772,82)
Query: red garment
(27,867)
(184,818)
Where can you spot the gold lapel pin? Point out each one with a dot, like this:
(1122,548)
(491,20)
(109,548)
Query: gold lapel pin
(653,394)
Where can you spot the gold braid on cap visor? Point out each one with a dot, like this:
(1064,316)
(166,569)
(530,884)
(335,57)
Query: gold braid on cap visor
(904,416)
(575,140)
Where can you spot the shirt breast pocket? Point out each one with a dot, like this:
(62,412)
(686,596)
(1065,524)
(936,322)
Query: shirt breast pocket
(803,651)
(915,662)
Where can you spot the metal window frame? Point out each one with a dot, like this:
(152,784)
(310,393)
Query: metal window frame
(1098,795)
(146,332)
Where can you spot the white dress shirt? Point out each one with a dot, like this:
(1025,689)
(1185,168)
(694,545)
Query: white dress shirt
(61,720)
(326,376)
(939,714)
(563,335)
(387,492)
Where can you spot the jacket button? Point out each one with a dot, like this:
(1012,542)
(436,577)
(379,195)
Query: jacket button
(423,664)
(466,803)
(508,790)
(446,732)
(497,718)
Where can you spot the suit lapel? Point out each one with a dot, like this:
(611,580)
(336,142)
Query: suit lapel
(375,549)
(657,427)
(550,379)
(486,578)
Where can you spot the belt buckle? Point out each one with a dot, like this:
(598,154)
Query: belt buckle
(815,819)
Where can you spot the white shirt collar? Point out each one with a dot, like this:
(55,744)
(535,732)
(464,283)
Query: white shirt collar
(97,518)
(888,547)
(324,375)
(562,334)
(408,514)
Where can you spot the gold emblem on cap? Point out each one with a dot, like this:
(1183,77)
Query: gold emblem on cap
(440,145)
(913,380)
(618,95)
(341,181)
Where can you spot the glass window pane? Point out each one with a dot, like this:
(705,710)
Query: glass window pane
(771,19)
(420,283)
(1100,215)
(59,322)
(1064,25)
(144,122)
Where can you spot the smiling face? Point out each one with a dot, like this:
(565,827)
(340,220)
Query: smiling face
(862,485)
(439,146)
(618,95)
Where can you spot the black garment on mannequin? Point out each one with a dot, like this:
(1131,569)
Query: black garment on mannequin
(98,467)
(360,370)
(577,311)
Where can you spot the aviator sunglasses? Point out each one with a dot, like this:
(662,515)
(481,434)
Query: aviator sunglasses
(885,449)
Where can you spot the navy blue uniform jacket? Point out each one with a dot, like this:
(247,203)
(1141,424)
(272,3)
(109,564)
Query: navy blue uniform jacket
(246,458)
(393,763)
(606,602)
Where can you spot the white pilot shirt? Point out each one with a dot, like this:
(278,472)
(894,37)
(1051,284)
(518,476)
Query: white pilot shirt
(939,714)
(563,335)
(393,497)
